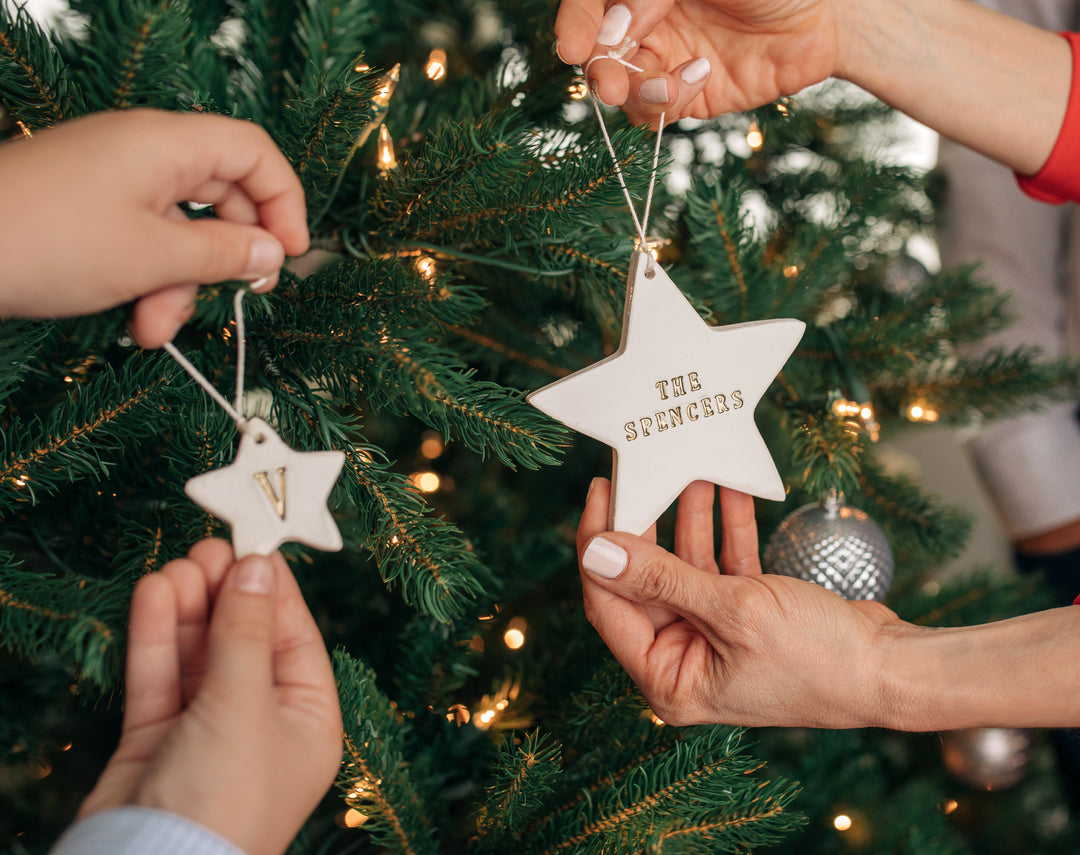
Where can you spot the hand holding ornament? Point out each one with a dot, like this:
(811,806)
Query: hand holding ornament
(231,717)
(940,61)
(712,641)
(108,229)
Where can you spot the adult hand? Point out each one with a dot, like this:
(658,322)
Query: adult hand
(938,61)
(700,58)
(231,716)
(96,223)
(723,643)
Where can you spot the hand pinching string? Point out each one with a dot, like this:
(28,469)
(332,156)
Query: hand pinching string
(676,401)
(270,494)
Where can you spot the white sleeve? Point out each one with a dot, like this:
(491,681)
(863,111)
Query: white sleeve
(140,831)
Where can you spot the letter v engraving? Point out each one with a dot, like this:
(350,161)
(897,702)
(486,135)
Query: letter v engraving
(276,499)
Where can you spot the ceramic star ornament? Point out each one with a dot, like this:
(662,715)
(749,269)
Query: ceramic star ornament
(272,494)
(676,400)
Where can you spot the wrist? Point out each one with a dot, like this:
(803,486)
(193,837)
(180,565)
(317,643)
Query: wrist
(1012,673)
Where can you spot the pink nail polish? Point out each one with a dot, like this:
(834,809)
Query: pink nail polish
(604,559)
(696,71)
(654,91)
(615,25)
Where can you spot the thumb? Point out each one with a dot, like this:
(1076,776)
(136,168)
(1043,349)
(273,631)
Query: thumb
(240,648)
(211,250)
(640,571)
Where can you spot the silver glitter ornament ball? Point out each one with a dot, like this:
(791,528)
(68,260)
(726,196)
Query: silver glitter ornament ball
(838,547)
(990,758)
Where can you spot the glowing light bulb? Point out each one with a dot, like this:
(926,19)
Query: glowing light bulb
(842,408)
(578,89)
(754,137)
(361,67)
(425,265)
(387,158)
(431,446)
(387,86)
(436,64)
(922,411)
(790,270)
(426,482)
(514,639)
(842,822)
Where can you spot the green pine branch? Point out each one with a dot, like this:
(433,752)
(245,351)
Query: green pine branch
(375,775)
(78,620)
(34,85)
(85,435)
(523,780)
(702,790)
(143,62)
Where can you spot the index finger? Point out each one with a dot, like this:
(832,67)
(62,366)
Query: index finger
(576,27)
(213,149)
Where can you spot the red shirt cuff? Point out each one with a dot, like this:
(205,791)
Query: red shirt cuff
(1059,179)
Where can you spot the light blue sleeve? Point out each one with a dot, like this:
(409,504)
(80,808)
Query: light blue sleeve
(141,831)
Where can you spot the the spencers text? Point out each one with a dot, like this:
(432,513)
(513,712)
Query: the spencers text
(676,414)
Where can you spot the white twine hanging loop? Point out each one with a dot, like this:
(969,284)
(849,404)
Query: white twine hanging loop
(235,411)
(616,54)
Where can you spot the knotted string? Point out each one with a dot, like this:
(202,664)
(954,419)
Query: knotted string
(641,225)
(235,411)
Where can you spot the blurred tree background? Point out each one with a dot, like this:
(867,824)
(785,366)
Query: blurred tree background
(471,245)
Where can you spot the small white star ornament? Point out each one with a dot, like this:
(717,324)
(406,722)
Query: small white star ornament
(676,400)
(272,494)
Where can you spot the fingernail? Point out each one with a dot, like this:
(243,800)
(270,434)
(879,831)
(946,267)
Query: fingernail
(592,486)
(654,90)
(262,283)
(559,55)
(696,71)
(595,89)
(604,558)
(265,258)
(616,23)
(254,575)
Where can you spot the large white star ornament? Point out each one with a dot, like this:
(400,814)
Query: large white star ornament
(272,494)
(676,400)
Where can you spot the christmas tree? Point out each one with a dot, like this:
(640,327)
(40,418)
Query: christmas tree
(471,245)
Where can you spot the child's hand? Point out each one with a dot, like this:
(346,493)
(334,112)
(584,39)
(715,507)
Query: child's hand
(91,218)
(231,716)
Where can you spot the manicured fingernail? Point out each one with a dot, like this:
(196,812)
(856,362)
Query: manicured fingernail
(604,558)
(262,283)
(559,55)
(696,71)
(654,90)
(616,23)
(592,486)
(254,575)
(264,258)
